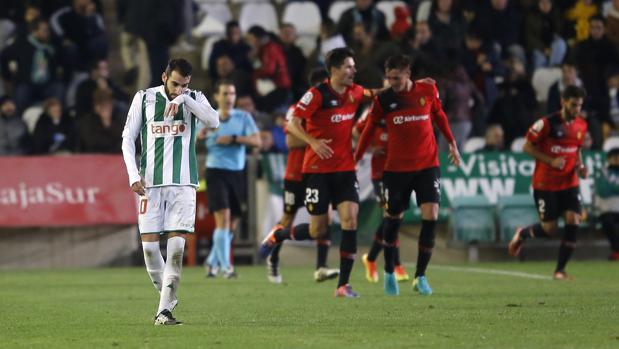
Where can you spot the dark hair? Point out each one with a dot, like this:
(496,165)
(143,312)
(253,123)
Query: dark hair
(257,31)
(223,82)
(336,57)
(94,64)
(399,62)
(35,23)
(231,24)
(597,17)
(317,75)
(180,65)
(574,92)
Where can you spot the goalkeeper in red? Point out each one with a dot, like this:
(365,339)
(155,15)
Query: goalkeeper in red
(409,109)
(555,141)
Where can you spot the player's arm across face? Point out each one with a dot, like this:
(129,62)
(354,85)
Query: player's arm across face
(319,146)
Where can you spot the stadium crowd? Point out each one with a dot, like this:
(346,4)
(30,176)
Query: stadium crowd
(483,55)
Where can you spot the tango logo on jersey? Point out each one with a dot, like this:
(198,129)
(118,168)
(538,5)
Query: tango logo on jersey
(557,149)
(397,120)
(167,129)
(341,117)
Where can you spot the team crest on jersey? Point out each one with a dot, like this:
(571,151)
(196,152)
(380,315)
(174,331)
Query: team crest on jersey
(422,101)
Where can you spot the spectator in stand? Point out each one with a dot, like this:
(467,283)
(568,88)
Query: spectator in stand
(234,47)
(226,70)
(295,59)
(364,12)
(100,133)
(613,95)
(607,200)
(402,22)
(31,12)
(370,55)
(612,22)
(99,80)
(482,64)
(82,32)
(271,79)
(542,35)
(133,50)
(329,39)
(569,77)
(55,131)
(460,98)
(516,106)
(447,24)
(246,103)
(31,65)
(420,46)
(14,137)
(577,26)
(495,139)
(594,57)
(501,23)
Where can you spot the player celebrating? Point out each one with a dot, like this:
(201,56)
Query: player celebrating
(328,111)
(555,141)
(294,192)
(408,109)
(165,118)
(378,149)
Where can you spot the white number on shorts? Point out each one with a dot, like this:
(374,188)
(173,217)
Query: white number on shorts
(311,195)
(288,198)
(542,205)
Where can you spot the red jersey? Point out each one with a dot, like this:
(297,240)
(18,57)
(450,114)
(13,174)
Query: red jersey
(408,117)
(379,140)
(555,137)
(294,164)
(330,115)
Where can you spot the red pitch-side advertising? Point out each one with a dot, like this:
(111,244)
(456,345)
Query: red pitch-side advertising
(57,191)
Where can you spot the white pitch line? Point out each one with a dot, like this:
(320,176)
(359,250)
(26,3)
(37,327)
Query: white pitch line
(493,271)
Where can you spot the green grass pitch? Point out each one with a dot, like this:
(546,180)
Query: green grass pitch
(471,308)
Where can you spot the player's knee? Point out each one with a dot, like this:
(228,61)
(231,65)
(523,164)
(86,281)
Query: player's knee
(349,223)
(318,231)
(550,228)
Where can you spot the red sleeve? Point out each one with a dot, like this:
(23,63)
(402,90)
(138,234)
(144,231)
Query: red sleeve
(268,58)
(439,116)
(538,131)
(368,131)
(308,104)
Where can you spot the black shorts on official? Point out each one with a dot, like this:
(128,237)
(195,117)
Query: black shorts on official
(225,189)
(398,187)
(294,195)
(379,191)
(322,189)
(552,204)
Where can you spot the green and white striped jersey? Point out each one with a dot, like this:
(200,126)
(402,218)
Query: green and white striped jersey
(168,143)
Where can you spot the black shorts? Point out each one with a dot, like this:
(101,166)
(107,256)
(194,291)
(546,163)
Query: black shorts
(552,204)
(379,191)
(322,189)
(399,186)
(225,189)
(294,195)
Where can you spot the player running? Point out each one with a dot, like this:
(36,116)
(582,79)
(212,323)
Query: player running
(165,119)
(555,143)
(294,193)
(409,109)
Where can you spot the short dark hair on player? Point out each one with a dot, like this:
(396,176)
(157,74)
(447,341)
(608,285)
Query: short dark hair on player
(223,82)
(179,65)
(574,92)
(317,75)
(399,62)
(336,57)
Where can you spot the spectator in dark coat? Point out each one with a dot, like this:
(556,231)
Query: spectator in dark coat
(99,79)
(542,35)
(100,133)
(447,24)
(295,59)
(55,131)
(501,23)
(364,12)
(226,70)
(232,46)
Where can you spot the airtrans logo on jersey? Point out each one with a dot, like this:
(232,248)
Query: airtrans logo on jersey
(167,128)
(24,196)
(341,117)
(400,119)
(557,149)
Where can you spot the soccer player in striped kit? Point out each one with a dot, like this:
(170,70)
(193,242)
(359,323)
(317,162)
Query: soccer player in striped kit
(164,117)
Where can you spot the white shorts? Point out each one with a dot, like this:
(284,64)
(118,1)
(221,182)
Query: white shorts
(167,209)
